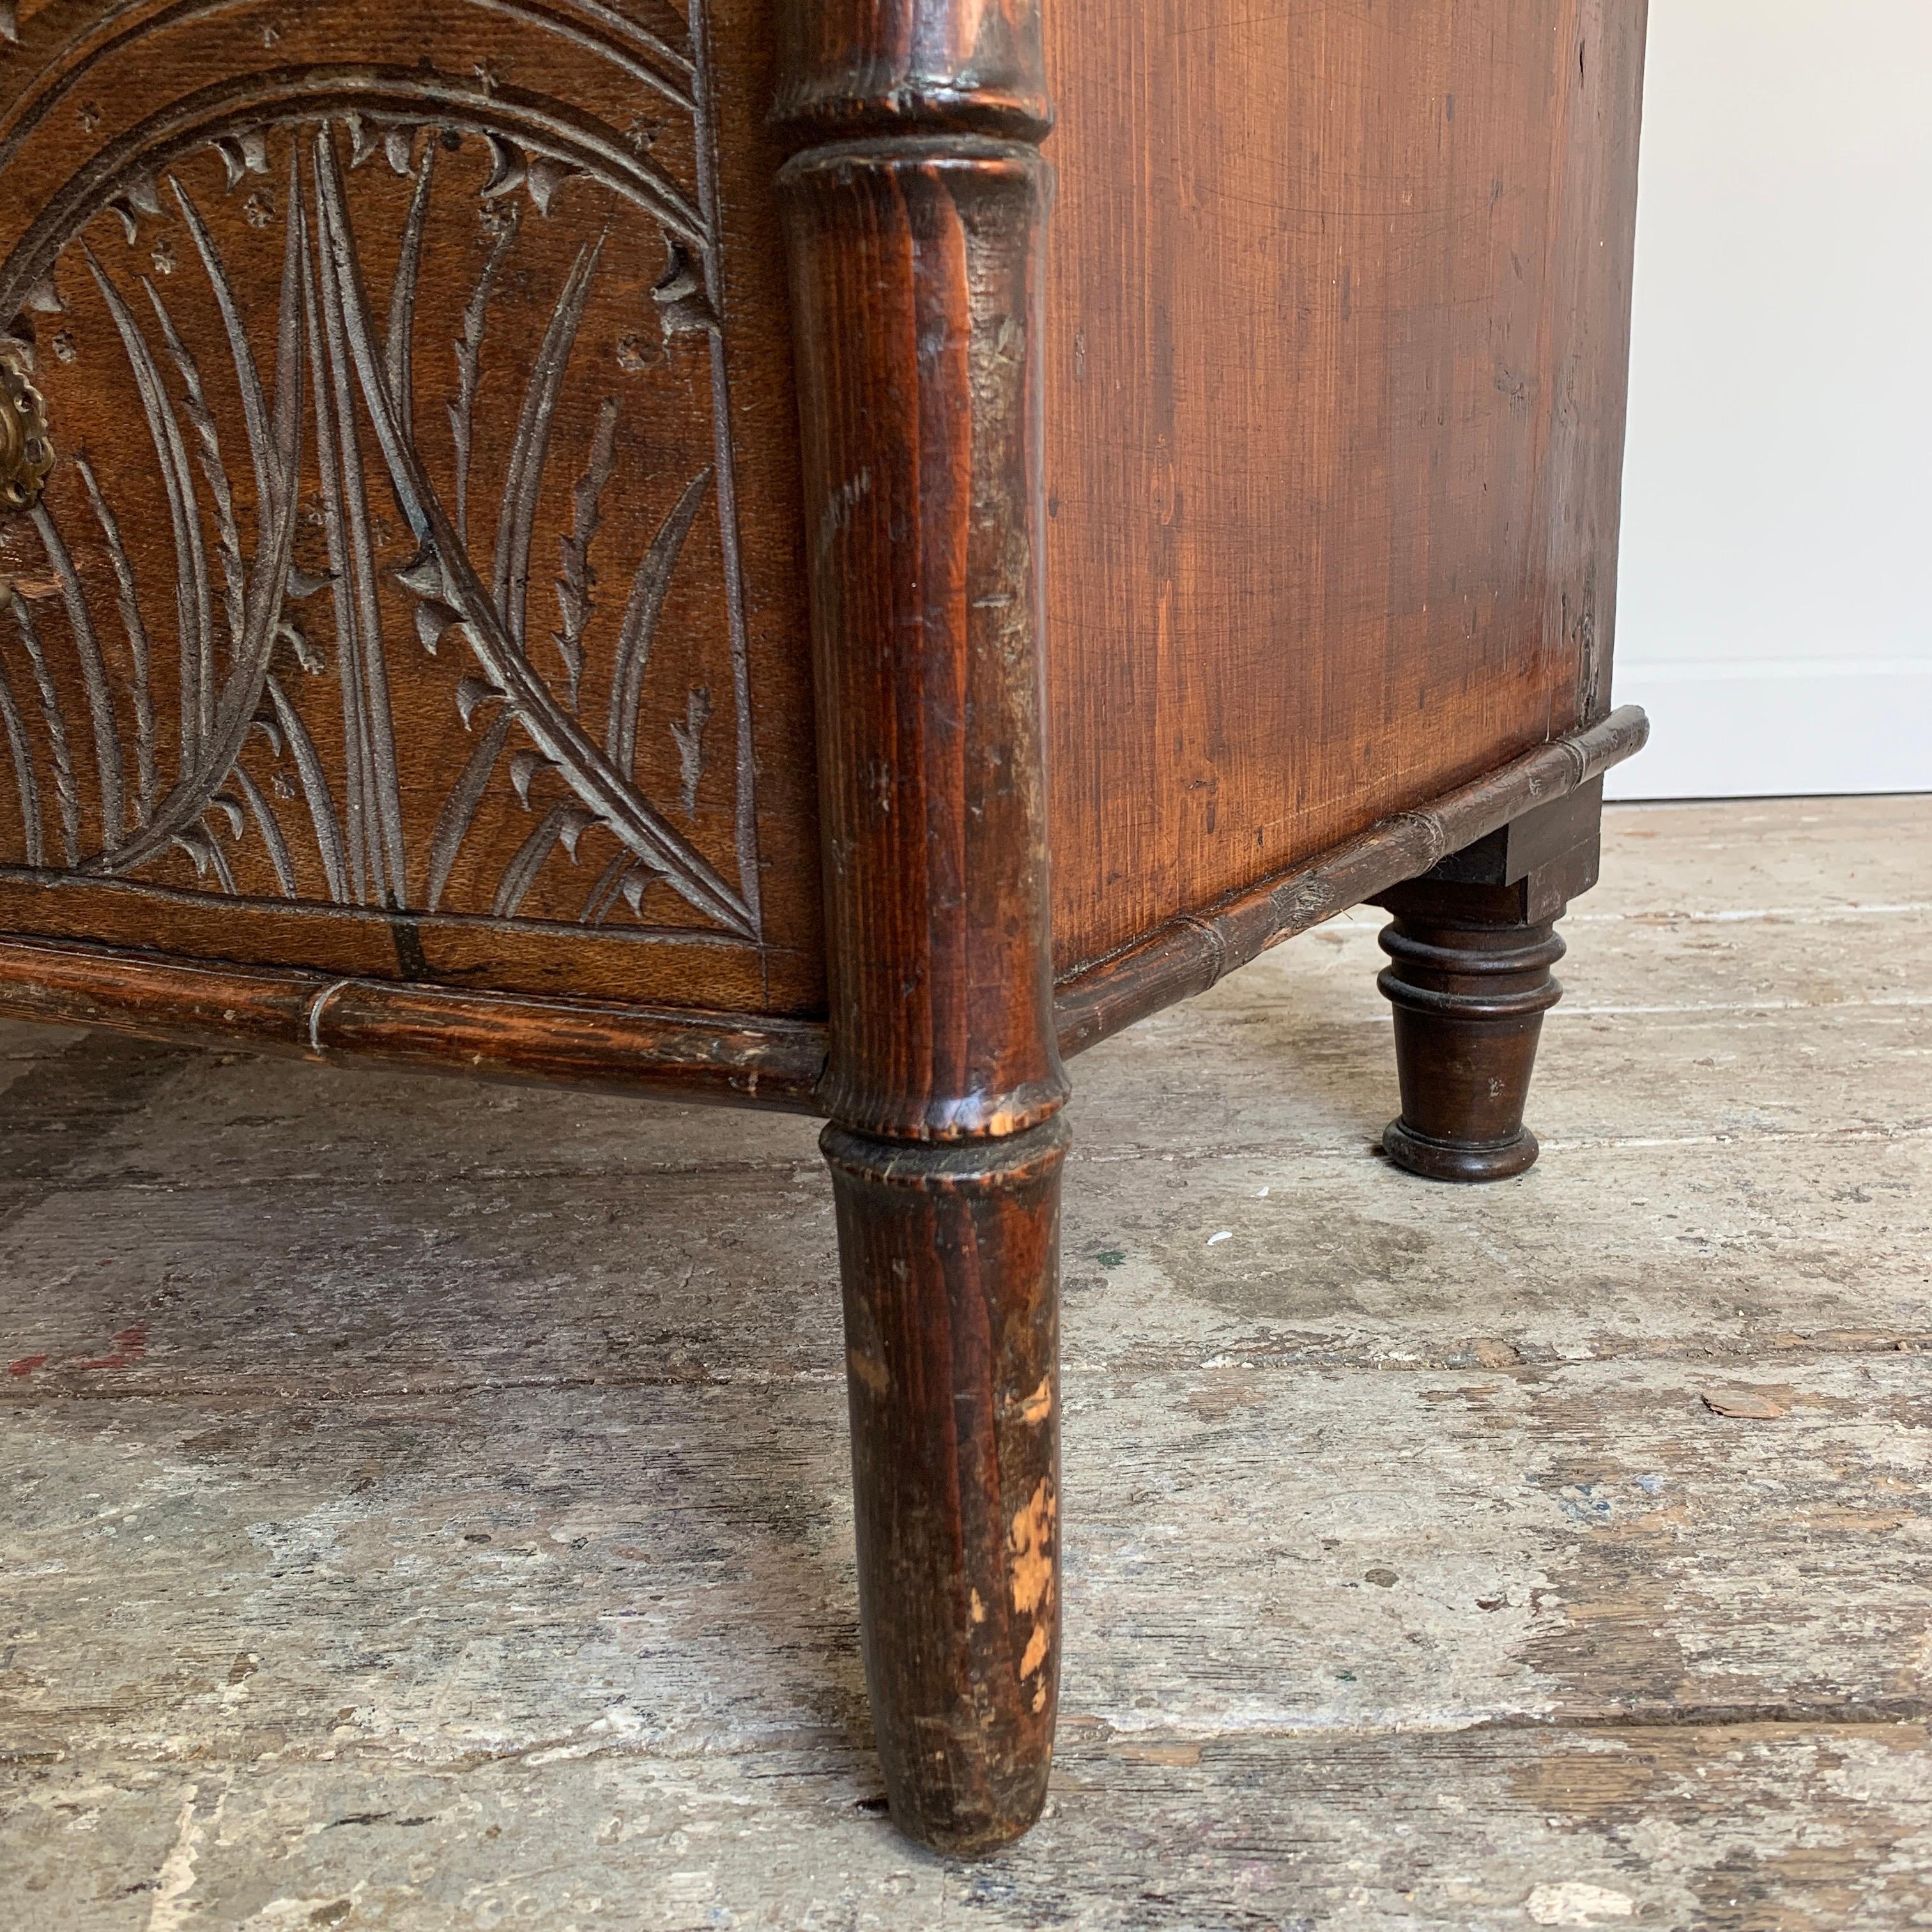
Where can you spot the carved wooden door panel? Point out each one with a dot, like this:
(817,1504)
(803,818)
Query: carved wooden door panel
(392,562)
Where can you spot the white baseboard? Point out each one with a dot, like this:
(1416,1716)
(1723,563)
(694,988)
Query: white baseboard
(1770,730)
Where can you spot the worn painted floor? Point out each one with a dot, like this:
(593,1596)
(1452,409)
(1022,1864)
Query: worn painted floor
(425,1505)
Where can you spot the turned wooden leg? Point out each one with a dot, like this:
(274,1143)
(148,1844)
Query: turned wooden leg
(1471,946)
(950,1262)
(1469,993)
(914,250)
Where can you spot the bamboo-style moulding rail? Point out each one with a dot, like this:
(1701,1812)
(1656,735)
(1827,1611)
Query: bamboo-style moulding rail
(709,1056)
(1186,956)
(687,1056)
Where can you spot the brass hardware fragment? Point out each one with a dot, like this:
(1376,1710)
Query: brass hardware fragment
(26,455)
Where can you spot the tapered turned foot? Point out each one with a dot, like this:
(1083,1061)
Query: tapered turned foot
(1469,999)
(950,1262)
(1470,948)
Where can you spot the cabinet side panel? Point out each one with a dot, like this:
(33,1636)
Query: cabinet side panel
(1337,317)
(1590,316)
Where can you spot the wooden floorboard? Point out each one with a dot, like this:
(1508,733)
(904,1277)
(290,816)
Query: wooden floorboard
(427,1505)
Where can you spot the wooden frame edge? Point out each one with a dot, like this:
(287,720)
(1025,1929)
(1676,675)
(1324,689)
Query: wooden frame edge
(726,1057)
(1189,954)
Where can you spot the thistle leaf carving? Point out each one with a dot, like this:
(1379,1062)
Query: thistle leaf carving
(576,579)
(326,417)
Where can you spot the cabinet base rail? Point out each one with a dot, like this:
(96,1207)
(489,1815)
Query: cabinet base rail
(740,1058)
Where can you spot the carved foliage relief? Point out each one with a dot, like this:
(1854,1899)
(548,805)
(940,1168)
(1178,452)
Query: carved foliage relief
(387,558)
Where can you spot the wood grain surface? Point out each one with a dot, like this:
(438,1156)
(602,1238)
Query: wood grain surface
(916,274)
(1338,310)
(1413,1579)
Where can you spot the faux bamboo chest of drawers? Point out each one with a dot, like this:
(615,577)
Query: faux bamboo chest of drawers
(580,540)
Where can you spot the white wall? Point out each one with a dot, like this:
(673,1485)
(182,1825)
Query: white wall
(1775,603)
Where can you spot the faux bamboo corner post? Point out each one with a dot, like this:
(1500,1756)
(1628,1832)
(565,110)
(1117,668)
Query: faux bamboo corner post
(914,212)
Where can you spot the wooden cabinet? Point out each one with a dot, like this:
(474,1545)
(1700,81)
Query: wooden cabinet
(561,539)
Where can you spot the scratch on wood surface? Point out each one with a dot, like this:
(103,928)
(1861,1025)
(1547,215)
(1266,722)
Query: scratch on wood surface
(1038,1406)
(1036,1652)
(689,735)
(317,1007)
(836,516)
(870,1370)
(1032,1541)
(1033,1551)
